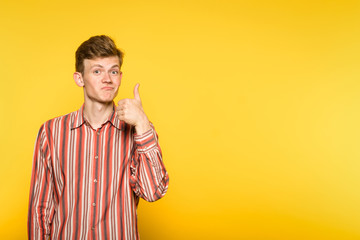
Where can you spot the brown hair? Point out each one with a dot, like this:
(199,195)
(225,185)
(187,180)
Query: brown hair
(95,47)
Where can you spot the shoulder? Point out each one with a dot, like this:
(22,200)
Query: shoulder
(64,121)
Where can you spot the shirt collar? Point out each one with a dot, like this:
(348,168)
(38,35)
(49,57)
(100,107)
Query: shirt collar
(80,120)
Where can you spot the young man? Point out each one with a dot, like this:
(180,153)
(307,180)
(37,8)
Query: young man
(92,165)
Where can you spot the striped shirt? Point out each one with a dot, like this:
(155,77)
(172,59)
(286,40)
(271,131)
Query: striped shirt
(86,183)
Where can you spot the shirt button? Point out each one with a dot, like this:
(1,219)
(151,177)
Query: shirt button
(95,181)
(94,204)
(96,157)
(93,228)
(98,133)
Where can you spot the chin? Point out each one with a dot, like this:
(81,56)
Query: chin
(107,101)
(104,100)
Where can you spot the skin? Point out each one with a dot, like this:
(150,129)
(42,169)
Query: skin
(101,81)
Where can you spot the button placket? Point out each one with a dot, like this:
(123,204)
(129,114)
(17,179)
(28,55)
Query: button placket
(95,177)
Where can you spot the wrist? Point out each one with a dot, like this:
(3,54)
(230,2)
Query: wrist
(142,126)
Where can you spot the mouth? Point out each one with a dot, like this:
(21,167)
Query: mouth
(107,88)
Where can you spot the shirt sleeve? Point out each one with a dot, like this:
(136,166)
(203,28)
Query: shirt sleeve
(41,202)
(149,178)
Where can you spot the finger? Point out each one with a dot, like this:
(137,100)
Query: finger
(123,106)
(120,117)
(136,92)
(123,102)
(120,114)
(120,110)
(120,102)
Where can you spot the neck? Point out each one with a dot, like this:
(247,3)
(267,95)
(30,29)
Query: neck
(97,113)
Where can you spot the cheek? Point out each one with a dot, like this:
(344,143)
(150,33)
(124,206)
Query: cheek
(93,86)
(117,82)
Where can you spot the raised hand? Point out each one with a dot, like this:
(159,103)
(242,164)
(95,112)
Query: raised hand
(130,110)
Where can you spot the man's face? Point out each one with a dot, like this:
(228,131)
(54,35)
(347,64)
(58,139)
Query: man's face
(101,79)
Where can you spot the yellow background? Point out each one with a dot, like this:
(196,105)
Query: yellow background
(256,104)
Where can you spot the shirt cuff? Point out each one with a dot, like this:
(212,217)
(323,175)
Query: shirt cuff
(145,141)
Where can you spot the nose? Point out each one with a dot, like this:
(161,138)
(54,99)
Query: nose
(107,78)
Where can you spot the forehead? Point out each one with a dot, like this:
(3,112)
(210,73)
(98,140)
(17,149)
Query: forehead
(106,62)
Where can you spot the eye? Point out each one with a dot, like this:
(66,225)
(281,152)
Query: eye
(96,71)
(114,72)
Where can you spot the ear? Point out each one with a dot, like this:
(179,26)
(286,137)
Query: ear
(121,74)
(78,79)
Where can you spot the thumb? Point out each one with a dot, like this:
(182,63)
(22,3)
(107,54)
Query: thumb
(136,92)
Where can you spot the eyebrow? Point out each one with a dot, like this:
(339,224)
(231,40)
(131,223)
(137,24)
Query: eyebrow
(101,66)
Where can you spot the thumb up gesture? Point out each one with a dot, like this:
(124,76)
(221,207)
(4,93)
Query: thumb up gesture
(130,110)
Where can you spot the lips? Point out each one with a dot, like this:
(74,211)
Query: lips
(107,88)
